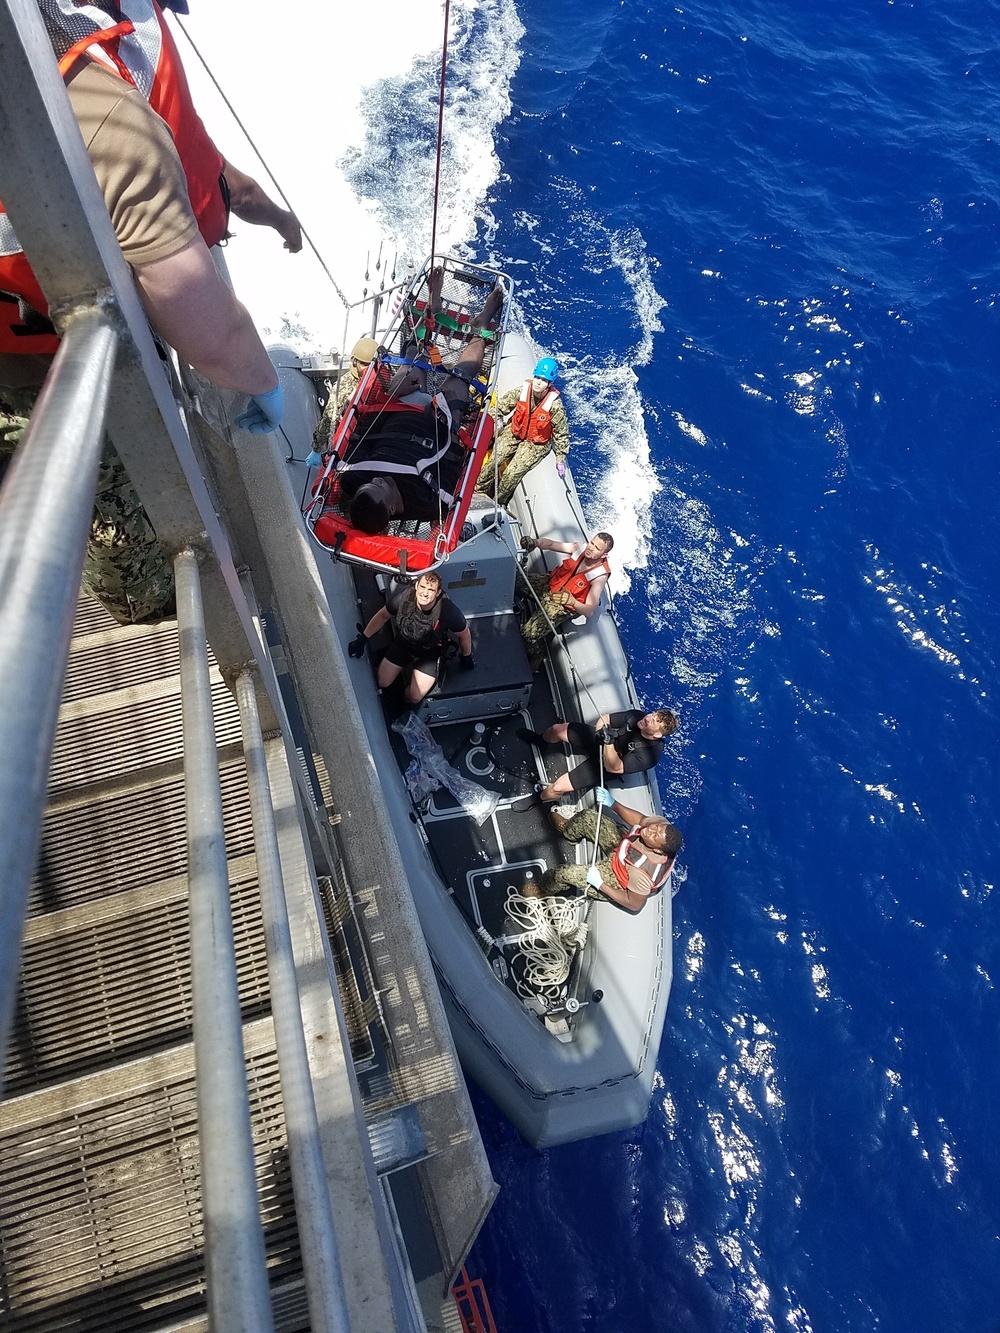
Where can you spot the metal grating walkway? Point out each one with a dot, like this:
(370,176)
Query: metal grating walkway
(100,1219)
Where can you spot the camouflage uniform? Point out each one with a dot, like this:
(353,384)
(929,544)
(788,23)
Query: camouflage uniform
(536,631)
(515,458)
(584,825)
(12,426)
(125,567)
(335,405)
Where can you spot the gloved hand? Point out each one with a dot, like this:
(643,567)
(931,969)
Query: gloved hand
(264,412)
(528,543)
(467,663)
(560,468)
(313,459)
(594,877)
(605,735)
(565,599)
(603,797)
(356,648)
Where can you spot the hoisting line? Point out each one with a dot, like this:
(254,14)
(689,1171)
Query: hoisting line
(440,139)
(260,158)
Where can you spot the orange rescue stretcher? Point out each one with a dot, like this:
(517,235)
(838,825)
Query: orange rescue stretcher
(409,547)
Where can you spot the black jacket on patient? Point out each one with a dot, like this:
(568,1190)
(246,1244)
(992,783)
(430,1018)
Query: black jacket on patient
(417,452)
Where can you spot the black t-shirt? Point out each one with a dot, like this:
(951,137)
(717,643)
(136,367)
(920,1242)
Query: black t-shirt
(634,750)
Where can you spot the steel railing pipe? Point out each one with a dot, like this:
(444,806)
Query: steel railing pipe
(235,1264)
(45,508)
(320,1256)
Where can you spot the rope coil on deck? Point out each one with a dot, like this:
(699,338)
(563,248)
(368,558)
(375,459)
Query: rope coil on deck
(552,934)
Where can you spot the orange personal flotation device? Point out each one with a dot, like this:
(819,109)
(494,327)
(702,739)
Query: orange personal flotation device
(141,51)
(569,577)
(634,864)
(533,424)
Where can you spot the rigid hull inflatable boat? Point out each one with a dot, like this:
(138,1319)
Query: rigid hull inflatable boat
(556,1005)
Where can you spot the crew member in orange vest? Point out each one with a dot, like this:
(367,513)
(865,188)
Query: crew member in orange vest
(571,589)
(536,422)
(632,868)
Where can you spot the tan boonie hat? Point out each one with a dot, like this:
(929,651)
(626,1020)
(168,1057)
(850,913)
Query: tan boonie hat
(364,350)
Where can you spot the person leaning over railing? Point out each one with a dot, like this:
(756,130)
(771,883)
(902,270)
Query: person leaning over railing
(147,191)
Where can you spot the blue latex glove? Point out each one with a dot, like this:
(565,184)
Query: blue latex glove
(561,468)
(594,877)
(264,412)
(313,459)
(603,797)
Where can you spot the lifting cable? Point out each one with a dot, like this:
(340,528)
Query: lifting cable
(440,133)
(260,158)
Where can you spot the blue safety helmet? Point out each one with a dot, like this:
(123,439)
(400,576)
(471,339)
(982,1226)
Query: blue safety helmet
(547,369)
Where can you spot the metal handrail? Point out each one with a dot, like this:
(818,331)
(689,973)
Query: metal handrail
(45,508)
(234,1251)
(318,1241)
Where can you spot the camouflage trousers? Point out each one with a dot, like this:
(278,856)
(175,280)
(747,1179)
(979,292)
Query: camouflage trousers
(515,459)
(584,825)
(536,631)
(125,567)
(333,411)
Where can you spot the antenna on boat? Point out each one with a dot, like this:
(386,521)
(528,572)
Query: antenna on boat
(440,135)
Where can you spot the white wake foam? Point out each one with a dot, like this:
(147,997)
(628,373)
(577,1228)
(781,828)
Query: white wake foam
(345,113)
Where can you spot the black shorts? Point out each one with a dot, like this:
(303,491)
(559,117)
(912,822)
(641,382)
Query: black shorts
(582,740)
(403,654)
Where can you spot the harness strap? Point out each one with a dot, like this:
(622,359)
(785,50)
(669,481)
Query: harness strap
(480,386)
(421,470)
(101,38)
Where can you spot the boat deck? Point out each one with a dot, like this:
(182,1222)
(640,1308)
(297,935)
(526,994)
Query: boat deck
(481,864)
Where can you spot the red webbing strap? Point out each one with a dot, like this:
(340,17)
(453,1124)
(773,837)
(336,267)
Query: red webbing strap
(101,38)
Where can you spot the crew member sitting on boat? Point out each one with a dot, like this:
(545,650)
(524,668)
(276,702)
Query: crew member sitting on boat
(362,354)
(626,742)
(631,870)
(407,462)
(536,422)
(571,589)
(424,619)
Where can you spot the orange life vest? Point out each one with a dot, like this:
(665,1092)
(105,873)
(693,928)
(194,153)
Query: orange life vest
(634,864)
(571,578)
(533,425)
(142,51)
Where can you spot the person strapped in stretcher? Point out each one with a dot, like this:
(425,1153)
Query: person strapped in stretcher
(407,461)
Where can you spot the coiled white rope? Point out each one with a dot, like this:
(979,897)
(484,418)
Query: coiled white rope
(551,935)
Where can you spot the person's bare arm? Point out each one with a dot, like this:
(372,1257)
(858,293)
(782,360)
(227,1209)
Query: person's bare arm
(379,619)
(631,902)
(613,762)
(547,544)
(192,308)
(627,814)
(249,202)
(464,638)
(590,604)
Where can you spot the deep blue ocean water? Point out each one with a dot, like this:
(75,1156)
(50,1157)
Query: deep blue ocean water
(763,239)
